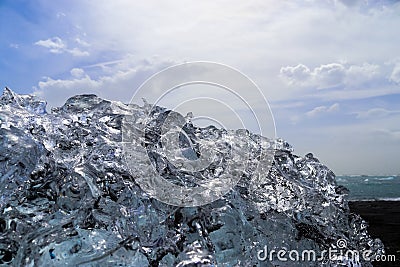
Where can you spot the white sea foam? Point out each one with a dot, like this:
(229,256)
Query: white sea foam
(385,178)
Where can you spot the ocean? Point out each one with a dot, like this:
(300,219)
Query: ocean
(367,188)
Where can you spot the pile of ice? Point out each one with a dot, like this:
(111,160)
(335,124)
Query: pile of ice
(68,199)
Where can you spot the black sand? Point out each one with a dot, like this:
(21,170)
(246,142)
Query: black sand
(383,218)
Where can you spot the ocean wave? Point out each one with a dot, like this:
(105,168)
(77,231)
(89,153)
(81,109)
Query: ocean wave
(376,199)
(385,178)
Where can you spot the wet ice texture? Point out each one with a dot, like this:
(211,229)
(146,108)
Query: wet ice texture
(67,198)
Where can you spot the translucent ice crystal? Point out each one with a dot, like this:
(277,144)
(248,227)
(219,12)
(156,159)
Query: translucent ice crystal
(68,199)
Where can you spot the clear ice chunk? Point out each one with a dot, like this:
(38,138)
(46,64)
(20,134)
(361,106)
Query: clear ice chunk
(68,199)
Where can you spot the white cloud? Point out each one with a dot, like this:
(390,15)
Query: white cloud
(77,52)
(77,73)
(256,36)
(60,15)
(13,45)
(118,83)
(330,75)
(82,42)
(296,75)
(395,75)
(54,44)
(333,108)
(361,74)
(376,113)
(323,110)
(316,111)
(57,46)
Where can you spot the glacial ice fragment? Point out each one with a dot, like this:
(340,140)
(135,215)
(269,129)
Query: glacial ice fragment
(67,197)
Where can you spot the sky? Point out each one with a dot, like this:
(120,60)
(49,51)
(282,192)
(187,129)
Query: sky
(330,70)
